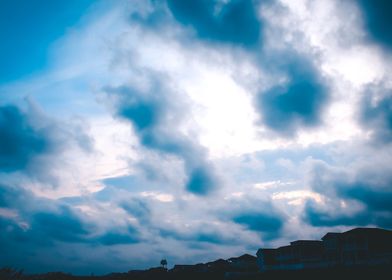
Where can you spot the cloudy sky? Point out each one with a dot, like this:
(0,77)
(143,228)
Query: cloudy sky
(132,131)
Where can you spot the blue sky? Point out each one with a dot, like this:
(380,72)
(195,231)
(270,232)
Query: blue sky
(132,131)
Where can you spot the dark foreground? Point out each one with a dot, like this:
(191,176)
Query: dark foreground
(374,273)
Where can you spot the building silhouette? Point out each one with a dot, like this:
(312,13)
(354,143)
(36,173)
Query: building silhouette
(357,247)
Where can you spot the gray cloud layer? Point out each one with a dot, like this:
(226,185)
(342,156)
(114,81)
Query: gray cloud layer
(297,102)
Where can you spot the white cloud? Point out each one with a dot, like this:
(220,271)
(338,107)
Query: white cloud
(162,197)
(297,197)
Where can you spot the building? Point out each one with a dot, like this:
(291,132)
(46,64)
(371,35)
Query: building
(308,253)
(219,265)
(366,246)
(356,247)
(245,262)
(186,268)
(266,259)
(332,247)
(300,254)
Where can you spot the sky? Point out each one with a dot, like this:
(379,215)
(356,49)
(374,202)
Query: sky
(132,131)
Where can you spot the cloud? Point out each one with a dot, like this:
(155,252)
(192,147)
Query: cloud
(116,238)
(377,20)
(254,214)
(376,113)
(137,208)
(326,218)
(20,141)
(200,233)
(45,224)
(12,197)
(34,146)
(42,220)
(63,226)
(298,101)
(201,180)
(359,194)
(234,22)
(260,222)
(156,114)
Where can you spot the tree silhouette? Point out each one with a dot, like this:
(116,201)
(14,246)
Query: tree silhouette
(164,263)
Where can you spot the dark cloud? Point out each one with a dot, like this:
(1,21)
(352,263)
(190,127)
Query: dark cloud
(34,144)
(234,22)
(46,220)
(63,225)
(376,114)
(204,232)
(213,238)
(377,197)
(155,115)
(201,180)
(43,229)
(137,208)
(260,222)
(31,144)
(340,216)
(21,200)
(378,20)
(116,238)
(254,214)
(268,224)
(19,139)
(10,197)
(143,112)
(296,103)
(354,196)
(322,218)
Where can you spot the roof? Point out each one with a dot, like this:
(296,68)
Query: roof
(359,230)
(368,231)
(287,247)
(183,265)
(264,250)
(306,242)
(217,262)
(331,235)
(244,257)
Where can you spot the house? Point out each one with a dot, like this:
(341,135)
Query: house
(332,246)
(156,270)
(300,254)
(285,257)
(219,265)
(245,262)
(266,259)
(359,246)
(308,253)
(366,246)
(184,268)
